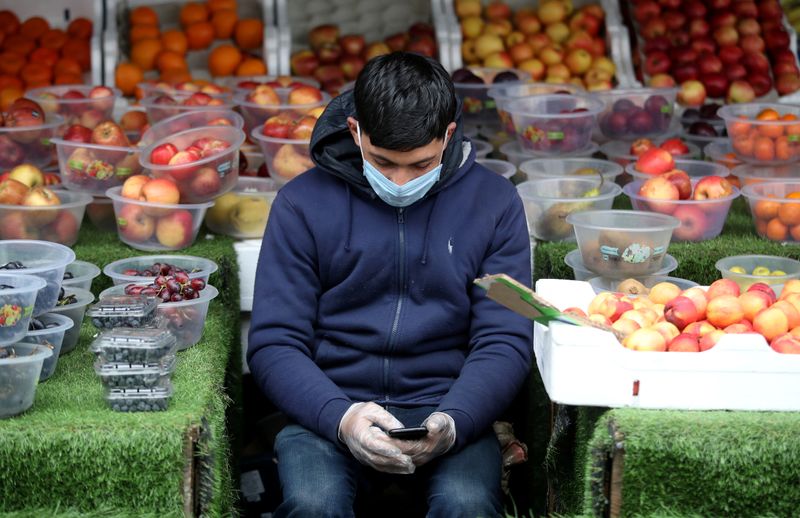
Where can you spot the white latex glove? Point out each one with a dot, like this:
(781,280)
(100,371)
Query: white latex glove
(441,437)
(362,429)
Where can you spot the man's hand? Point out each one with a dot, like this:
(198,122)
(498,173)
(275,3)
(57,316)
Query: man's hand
(441,437)
(362,429)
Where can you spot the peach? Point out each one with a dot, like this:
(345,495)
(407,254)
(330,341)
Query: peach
(646,339)
(739,327)
(791,286)
(793,299)
(636,316)
(700,328)
(684,343)
(680,312)
(724,311)
(600,319)
(598,302)
(626,326)
(700,299)
(722,287)
(667,330)
(709,340)
(649,314)
(132,188)
(612,307)
(663,292)
(575,311)
(659,309)
(786,344)
(795,332)
(792,315)
(763,286)
(770,323)
(642,303)
(753,302)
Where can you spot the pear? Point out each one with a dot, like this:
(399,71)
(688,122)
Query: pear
(249,216)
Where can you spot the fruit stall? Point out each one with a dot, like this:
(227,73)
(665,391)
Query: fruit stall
(655,147)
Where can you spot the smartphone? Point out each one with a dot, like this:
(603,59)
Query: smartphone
(410,434)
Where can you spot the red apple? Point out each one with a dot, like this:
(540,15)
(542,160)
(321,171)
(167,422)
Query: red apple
(396,42)
(712,187)
(329,53)
(681,181)
(761,83)
(12,192)
(376,49)
(709,64)
(716,84)
(694,223)
(755,62)
(323,34)
(735,71)
(41,197)
(655,161)
(304,63)
(740,91)
(685,72)
(657,63)
(787,83)
(175,230)
(109,133)
(103,96)
(78,133)
(134,225)
(692,93)
(205,183)
(680,312)
(161,155)
(639,146)
(730,54)
(352,44)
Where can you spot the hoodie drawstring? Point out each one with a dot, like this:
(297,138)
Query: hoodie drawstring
(424,259)
(349,218)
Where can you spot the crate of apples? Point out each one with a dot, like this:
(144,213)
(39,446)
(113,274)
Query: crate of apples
(203,162)
(30,209)
(25,133)
(93,160)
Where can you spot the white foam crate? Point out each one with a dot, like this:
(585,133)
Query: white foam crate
(589,367)
(374,19)
(58,14)
(115,37)
(247,252)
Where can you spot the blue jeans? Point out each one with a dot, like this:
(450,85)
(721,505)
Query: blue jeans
(322,479)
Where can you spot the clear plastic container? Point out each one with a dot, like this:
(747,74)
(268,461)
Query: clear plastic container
(504,92)
(80,274)
(86,111)
(243,212)
(701,141)
(128,376)
(636,113)
(244,84)
(501,167)
(285,158)
(205,179)
(776,217)
(52,337)
(515,153)
(187,120)
(623,243)
(601,284)
(788,266)
(560,167)
(476,104)
(763,142)
(74,312)
(57,223)
(195,267)
(482,148)
(700,219)
(41,259)
(92,168)
(101,214)
(581,273)
(20,366)
(549,125)
(256,114)
(750,173)
(16,304)
(139,400)
(150,88)
(157,110)
(134,345)
(185,319)
(694,168)
(619,151)
(30,144)
(721,153)
(119,310)
(156,226)
(548,202)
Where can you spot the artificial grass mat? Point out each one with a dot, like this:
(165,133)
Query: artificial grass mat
(71,455)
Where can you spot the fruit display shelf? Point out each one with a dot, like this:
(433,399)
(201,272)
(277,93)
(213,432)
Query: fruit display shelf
(170,463)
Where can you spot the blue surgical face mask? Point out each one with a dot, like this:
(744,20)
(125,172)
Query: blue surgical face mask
(400,195)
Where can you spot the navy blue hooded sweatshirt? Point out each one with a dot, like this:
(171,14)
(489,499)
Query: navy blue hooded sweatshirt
(356,300)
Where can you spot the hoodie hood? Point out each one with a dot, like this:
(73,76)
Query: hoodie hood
(333,150)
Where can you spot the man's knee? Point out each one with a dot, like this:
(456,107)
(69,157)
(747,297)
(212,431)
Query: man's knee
(466,501)
(318,504)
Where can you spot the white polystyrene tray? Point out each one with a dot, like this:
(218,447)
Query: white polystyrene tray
(588,367)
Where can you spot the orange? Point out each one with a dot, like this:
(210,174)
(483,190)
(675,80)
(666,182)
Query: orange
(175,41)
(200,35)
(11,63)
(743,145)
(784,150)
(224,21)
(143,16)
(80,51)
(68,79)
(53,39)
(766,209)
(67,66)
(36,74)
(8,95)
(251,66)
(145,52)
(223,60)
(48,57)
(795,232)
(772,130)
(249,33)
(34,27)
(193,12)
(789,213)
(7,80)
(793,195)
(9,23)
(127,76)
(768,114)
(176,75)
(764,149)
(776,230)
(168,59)
(19,44)
(218,5)
(761,227)
(80,28)
(143,32)
(739,129)
(2,37)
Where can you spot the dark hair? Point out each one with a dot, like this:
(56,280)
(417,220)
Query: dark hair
(404,101)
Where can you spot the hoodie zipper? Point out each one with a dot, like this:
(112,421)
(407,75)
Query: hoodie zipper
(401,230)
